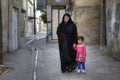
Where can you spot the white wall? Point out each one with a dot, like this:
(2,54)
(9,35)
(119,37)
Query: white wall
(29,29)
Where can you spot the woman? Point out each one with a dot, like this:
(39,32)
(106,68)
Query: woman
(67,36)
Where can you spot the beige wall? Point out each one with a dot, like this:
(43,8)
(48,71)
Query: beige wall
(25,26)
(6,12)
(78,3)
(87,17)
(29,29)
(53,2)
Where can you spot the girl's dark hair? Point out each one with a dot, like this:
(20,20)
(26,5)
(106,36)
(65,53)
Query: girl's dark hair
(81,37)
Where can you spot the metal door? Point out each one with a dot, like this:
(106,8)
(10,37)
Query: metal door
(14,29)
(57,15)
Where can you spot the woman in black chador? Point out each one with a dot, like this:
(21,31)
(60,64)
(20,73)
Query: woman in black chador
(67,36)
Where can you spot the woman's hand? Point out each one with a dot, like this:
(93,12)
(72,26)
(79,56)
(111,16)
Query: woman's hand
(74,45)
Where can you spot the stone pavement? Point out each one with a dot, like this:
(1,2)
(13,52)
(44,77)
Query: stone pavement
(99,66)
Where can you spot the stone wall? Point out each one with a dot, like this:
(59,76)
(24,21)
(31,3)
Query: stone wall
(87,17)
(113,27)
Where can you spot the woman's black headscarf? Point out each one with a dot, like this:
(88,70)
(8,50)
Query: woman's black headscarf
(70,20)
(64,25)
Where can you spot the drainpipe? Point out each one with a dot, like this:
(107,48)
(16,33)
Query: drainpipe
(34,18)
(69,6)
(1,44)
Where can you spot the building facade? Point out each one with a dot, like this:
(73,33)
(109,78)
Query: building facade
(11,17)
(29,29)
(97,20)
(87,17)
(11,20)
(15,23)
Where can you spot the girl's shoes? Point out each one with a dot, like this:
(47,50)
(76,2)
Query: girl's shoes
(84,71)
(78,71)
(81,71)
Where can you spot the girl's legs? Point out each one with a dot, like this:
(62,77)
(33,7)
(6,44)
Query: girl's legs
(83,65)
(79,65)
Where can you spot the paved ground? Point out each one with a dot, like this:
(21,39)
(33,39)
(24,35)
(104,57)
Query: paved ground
(21,61)
(99,66)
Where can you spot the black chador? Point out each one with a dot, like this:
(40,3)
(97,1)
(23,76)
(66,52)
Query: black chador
(67,36)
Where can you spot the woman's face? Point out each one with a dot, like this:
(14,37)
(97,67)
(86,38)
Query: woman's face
(66,19)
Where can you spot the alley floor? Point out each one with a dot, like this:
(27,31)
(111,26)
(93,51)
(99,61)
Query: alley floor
(99,66)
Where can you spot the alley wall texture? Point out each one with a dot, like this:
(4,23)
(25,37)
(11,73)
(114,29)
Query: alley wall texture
(113,27)
(87,18)
(7,16)
(4,24)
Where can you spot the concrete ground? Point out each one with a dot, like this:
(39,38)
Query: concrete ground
(99,66)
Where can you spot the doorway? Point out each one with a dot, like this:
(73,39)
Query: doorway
(104,22)
(14,30)
(57,14)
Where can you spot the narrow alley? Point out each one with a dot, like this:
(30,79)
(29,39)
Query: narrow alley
(99,66)
(31,30)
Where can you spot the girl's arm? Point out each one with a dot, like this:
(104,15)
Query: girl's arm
(85,51)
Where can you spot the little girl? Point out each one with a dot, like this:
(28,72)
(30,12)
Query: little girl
(81,54)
